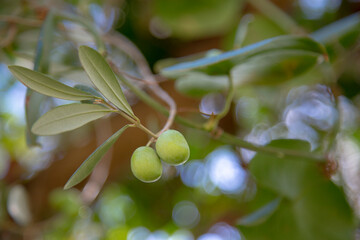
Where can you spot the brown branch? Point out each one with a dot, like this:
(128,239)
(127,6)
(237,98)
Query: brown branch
(20,20)
(11,34)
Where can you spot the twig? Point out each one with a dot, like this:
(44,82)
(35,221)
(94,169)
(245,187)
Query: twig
(193,110)
(223,136)
(20,20)
(130,49)
(13,29)
(213,122)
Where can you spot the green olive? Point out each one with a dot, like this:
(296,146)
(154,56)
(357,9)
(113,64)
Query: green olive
(172,148)
(146,165)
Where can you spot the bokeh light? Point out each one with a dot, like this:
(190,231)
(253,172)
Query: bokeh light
(186,214)
(314,9)
(225,171)
(212,103)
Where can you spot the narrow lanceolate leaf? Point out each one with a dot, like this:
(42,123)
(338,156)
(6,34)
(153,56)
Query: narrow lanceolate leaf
(103,78)
(41,63)
(43,84)
(227,60)
(89,164)
(68,117)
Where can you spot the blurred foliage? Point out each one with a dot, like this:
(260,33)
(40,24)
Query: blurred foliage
(296,92)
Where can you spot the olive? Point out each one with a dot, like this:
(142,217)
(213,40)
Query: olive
(172,148)
(146,165)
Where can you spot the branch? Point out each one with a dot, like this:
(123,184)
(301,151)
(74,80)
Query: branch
(222,136)
(132,51)
(20,20)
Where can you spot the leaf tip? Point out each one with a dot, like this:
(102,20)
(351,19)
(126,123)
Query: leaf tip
(68,185)
(13,68)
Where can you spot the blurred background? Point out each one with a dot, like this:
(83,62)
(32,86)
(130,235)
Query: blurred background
(204,198)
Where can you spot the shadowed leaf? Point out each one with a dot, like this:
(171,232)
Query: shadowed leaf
(89,164)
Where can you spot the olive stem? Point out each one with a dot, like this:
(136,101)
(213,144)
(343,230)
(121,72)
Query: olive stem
(133,52)
(213,122)
(223,137)
(137,123)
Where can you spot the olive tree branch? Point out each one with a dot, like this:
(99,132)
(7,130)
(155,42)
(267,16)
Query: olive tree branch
(132,51)
(213,122)
(222,136)
(20,20)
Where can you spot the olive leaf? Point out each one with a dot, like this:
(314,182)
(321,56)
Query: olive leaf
(45,85)
(197,84)
(223,62)
(41,64)
(68,117)
(312,206)
(89,164)
(261,215)
(103,78)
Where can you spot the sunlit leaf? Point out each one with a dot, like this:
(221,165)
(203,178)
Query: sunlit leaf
(332,31)
(43,84)
(103,78)
(89,164)
(222,63)
(68,117)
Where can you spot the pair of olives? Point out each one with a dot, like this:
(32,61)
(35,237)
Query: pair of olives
(171,147)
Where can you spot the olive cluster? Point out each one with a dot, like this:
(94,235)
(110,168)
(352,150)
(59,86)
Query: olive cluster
(171,147)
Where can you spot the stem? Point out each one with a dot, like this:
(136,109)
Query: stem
(223,137)
(279,152)
(153,103)
(274,13)
(213,123)
(133,52)
(20,20)
(137,123)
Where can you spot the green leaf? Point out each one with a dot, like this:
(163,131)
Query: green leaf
(283,175)
(274,67)
(197,84)
(41,63)
(45,85)
(188,19)
(88,89)
(222,63)
(261,215)
(313,207)
(68,117)
(89,164)
(103,78)
(333,31)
